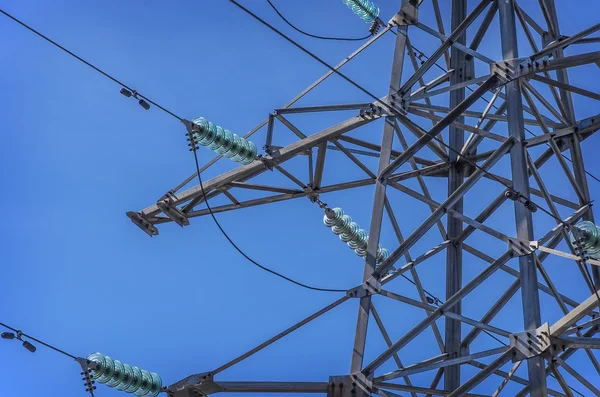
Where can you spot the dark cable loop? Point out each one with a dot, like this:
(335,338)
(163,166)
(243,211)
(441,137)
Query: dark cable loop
(313,35)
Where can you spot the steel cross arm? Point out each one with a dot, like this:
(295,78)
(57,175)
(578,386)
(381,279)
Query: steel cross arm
(415,262)
(442,209)
(212,387)
(468,288)
(561,43)
(454,44)
(245,172)
(444,47)
(322,108)
(567,87)
(553,64)
(423,367)
(584,127)
(425,171)
(439,127)
(580,327)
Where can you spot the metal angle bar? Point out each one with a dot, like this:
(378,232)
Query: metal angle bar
(270,128)
(318,177)
(468,288)
(289,176)
(575,342)
(440,211)
(290,126)
(422,390)
(562,43)
(484,26)
(388,341)
(566,255)
(323,108)
(514,378)
(378,202)
(428,94)
(455,44)
(436,380)
(425,171)
(530,20)
(440,24)
(416,261)
(439,127)
(492,312)
(444,47)
(227,193)
(566,62)
(483,216)
(419,132)
(420,367)
(487,109)
(483,374)
(272,387)
(574,315)
(420,180)
(280,335)
(354,159)
(415,275)
(471,145)
(582,326)
(507,378)
(561,381)
(542,139)
(544,102)
(415,66)
(448,314)
(557,151)
(577,376)
(479,115)
(567,87)
(474,130)
(265,188)
(441,79)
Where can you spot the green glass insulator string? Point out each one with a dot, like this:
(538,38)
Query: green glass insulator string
(365,9)
(124,377)
(351,233)
(589,234)
(223,141)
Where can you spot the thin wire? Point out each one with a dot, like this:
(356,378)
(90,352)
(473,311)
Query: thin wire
(234,245)
(39,341)
(88,64)
(313,35)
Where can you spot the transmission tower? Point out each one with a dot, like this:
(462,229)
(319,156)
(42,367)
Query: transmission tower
(493,105)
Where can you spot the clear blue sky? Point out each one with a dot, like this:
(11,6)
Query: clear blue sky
(76,156)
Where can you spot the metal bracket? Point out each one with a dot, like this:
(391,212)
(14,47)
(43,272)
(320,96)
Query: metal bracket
(370,287)
(365,385)
(521,248)
(199,385)
(512,69)
(174,213)
(531,343)
(268,161)
(142,223)
(86,367)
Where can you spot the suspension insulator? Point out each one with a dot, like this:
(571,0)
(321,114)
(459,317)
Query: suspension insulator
(350,233)
(589,235)
(223,141)
(125,377)
(365,9)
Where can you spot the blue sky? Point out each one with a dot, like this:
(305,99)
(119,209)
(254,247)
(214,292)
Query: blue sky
(76,156)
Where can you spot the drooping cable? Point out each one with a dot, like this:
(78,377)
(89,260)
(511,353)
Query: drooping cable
(56,349)
(314,35)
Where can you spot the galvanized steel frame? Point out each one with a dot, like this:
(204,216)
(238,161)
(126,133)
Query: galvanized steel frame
(454,162)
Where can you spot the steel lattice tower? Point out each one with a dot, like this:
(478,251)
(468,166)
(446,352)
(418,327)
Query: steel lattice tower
(528,86)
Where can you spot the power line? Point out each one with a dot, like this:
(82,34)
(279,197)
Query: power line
(88,64)
(234,245)
(56,349)
(313,35)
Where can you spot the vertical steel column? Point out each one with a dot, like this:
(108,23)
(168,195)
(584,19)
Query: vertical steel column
(574,144)
(458,62)
(378,201)
(518,156)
